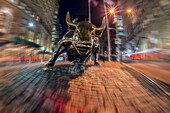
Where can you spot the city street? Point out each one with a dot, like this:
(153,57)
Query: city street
(109,88)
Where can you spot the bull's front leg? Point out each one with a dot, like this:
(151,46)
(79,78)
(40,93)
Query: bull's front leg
(60,48)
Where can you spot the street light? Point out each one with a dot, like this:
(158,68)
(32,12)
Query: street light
(108,33)
(129,10)
(89,10)
(112,10)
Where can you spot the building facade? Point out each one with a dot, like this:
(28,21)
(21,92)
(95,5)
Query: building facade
(31,20)
(148,25)
(56,30)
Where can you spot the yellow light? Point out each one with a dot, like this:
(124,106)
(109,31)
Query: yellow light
(112,11)
(129,10)
(54,28)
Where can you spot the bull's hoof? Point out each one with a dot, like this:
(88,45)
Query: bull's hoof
(47,68)
(73,63)
(96,64)
(79,68)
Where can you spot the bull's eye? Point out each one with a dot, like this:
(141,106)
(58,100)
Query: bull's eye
(91,29)
(77,31)
(93,33)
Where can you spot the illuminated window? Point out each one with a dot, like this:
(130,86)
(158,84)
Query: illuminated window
(14,1)
(157,11)
(55,17)
(5,20)
(2,20)
(37,18)
(54,28)
(31,36)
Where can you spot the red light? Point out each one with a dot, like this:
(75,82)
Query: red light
(24,46)
(19,58)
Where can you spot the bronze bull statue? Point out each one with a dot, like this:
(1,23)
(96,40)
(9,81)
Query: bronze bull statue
(79,42)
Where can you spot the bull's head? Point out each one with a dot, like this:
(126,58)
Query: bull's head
(84,30)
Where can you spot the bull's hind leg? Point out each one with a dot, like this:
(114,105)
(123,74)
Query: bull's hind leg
(79,66)
(61,47)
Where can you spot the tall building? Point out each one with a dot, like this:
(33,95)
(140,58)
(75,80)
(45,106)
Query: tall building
(30,20)
(148,25)
(45,9)
(56,30)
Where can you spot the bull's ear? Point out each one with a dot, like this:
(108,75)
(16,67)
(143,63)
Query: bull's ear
(99,30)
(71,25)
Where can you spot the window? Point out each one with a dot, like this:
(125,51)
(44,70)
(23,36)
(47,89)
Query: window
(5,20)
(157,11)
(13,1)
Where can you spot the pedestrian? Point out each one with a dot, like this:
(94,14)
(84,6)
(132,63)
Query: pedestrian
(104,55)
(103,58)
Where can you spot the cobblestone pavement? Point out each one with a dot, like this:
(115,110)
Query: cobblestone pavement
(108,88)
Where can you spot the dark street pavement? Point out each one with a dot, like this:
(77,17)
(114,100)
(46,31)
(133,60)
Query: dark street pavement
(156,70)
(109,88)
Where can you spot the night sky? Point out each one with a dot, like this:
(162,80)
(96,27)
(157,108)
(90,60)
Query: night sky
(75,7)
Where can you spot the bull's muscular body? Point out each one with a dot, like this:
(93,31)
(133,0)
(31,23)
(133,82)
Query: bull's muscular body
(79,43)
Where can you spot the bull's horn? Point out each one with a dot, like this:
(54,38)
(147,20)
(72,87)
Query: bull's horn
(102,27)
(68,21)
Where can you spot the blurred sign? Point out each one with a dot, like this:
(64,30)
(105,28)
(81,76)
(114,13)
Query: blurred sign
(119,17)
(119,20)
(120,30)
(118,41)
(133,48)
(120,23)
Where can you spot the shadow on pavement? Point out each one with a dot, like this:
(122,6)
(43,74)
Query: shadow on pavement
(38,91)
